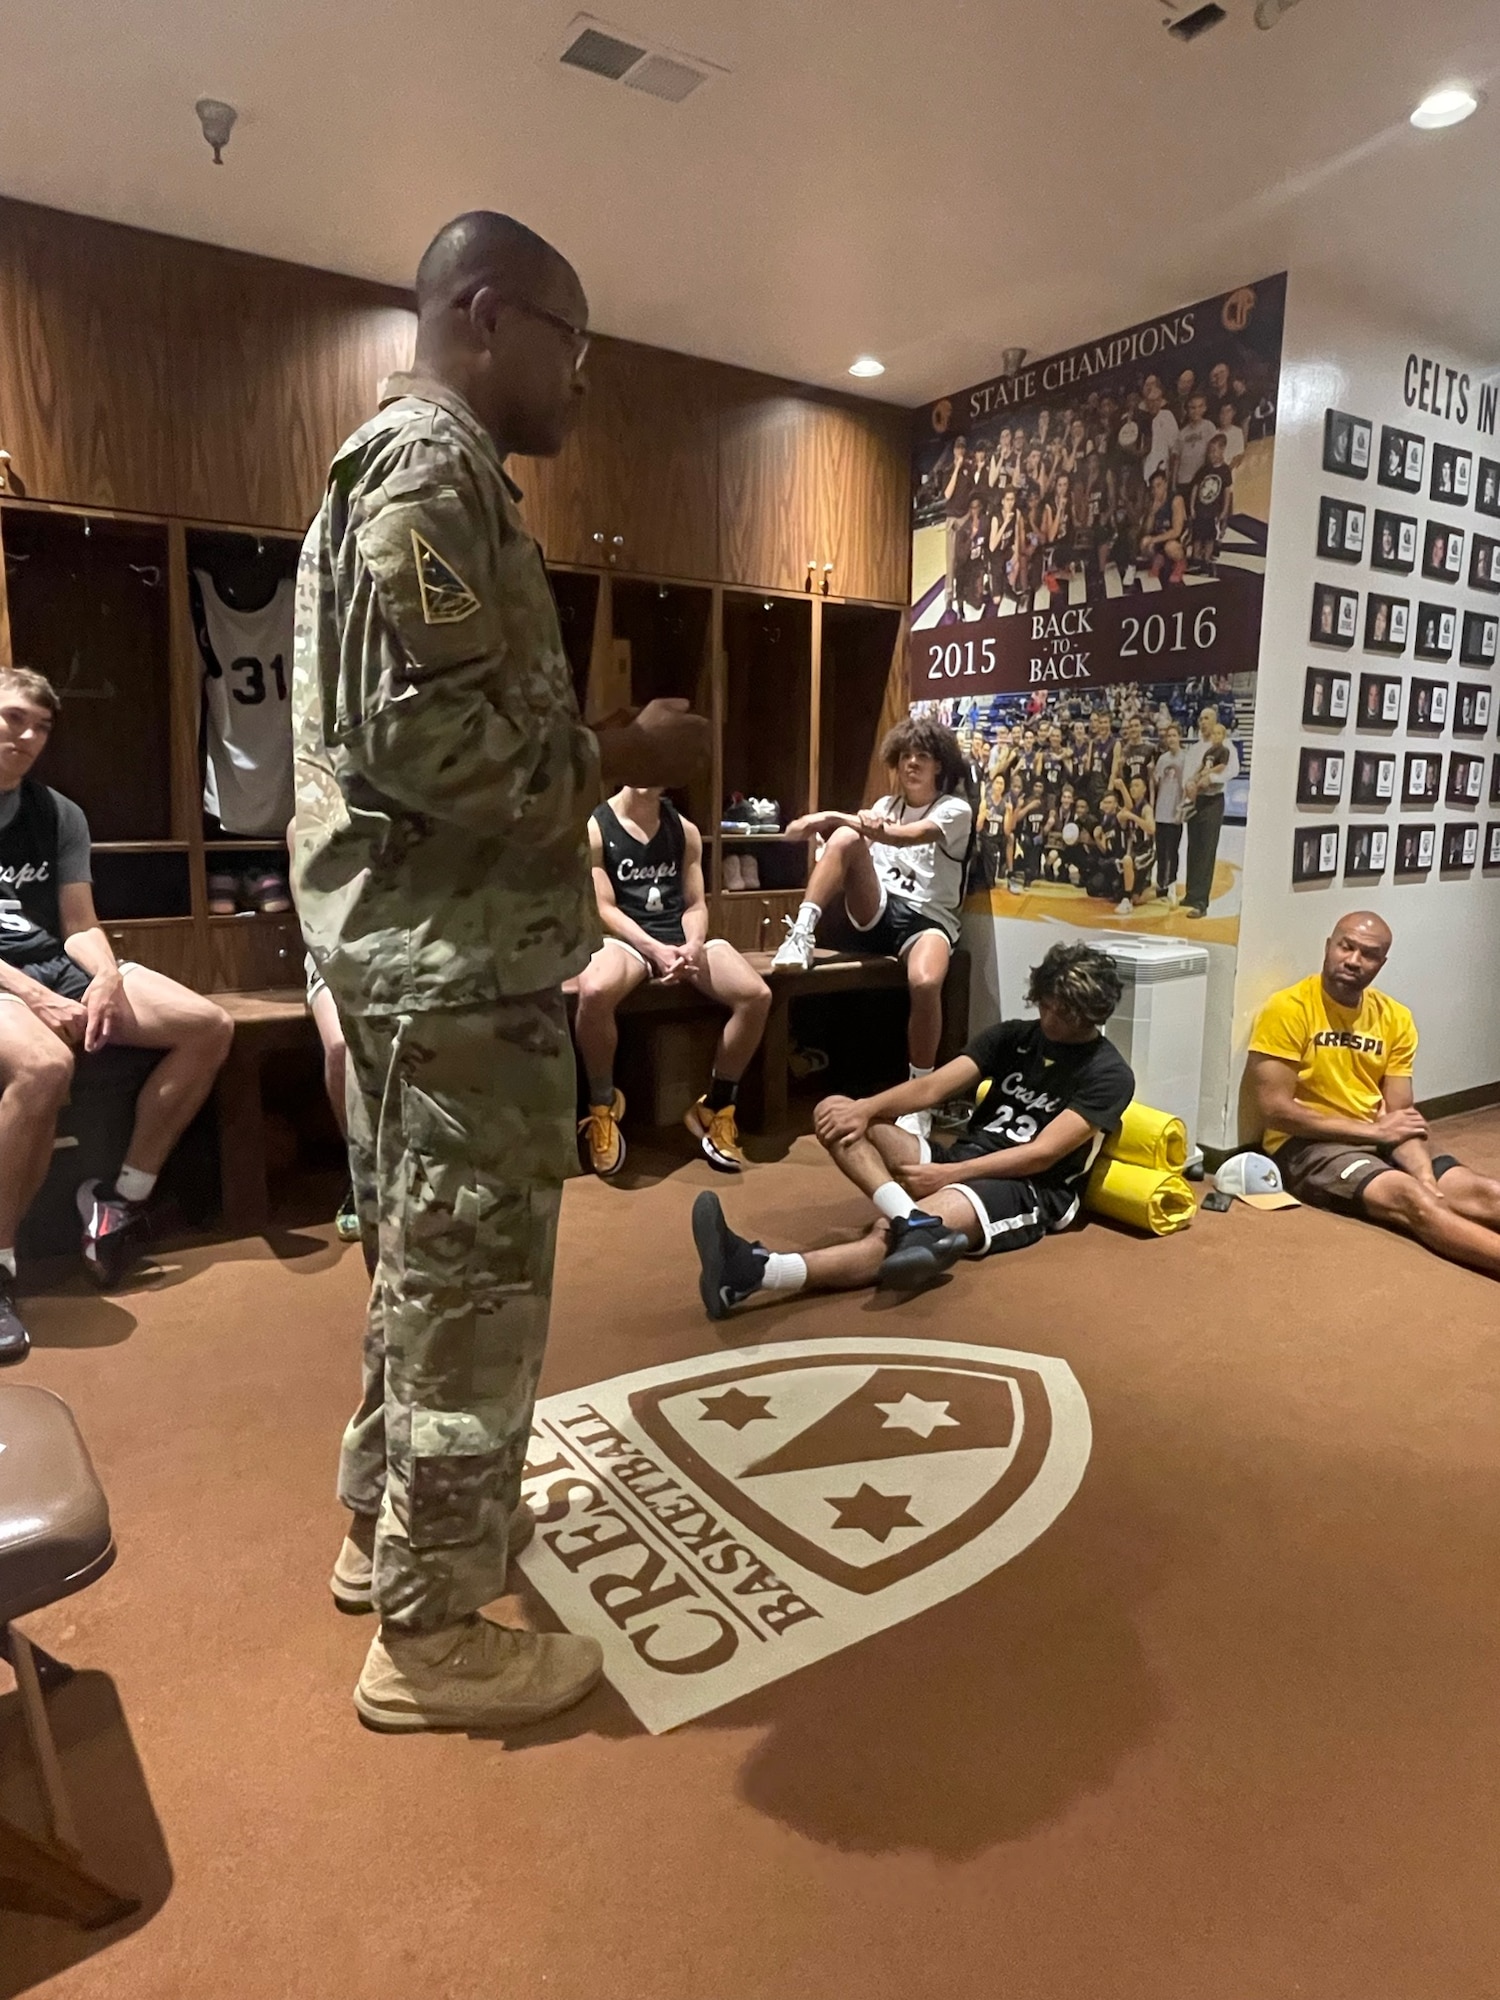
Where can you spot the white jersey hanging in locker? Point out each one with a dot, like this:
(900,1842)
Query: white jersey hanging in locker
(247,667)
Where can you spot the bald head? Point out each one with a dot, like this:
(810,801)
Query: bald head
(1354,954)
(483,248)
(501,318)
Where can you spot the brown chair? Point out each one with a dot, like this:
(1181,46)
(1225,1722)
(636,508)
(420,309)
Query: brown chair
(54,1539)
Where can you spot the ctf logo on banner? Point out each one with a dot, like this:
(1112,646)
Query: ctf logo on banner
(719,1522)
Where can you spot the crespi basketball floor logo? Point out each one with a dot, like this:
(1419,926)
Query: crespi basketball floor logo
(722,1521)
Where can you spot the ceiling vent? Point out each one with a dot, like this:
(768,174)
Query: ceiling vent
(634,61)
(1186,20)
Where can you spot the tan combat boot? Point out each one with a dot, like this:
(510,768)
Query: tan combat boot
(473,1675)
(353,1572)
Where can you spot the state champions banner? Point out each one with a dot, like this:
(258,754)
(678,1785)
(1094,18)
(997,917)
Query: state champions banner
(1208,627)
(1042,581)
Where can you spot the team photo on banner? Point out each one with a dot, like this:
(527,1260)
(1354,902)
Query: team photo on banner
(1089,546)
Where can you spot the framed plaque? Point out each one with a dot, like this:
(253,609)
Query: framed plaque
(1452,475)
(1320,777)
(1420,779)
(1346,444)
(1401,458)
(1416,849)
(1437,632)
(1365,849)
(1393,542)
(1325,698)
(1374,779)
(1481,636)
(1443,552)
(1315,854)
(1379,701)
(1335,615)
(1460,844)
(1471,709)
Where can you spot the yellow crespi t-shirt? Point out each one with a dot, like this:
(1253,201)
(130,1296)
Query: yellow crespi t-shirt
(1342,1053)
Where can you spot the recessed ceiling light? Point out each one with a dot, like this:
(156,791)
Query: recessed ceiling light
(1449,106)
(867,365)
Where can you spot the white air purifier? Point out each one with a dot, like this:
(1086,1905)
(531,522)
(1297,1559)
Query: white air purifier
(1158,1025)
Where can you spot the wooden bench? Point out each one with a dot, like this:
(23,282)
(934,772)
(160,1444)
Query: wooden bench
(277,1019)
(764,1099)
(265,1022)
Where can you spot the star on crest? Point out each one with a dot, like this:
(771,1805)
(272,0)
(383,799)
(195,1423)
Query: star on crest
(735,1408)
(874,1513)
(913,1414)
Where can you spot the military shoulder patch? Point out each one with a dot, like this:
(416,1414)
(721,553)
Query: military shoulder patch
(446,598)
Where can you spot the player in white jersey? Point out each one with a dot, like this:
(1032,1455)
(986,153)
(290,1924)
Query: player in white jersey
(899,866)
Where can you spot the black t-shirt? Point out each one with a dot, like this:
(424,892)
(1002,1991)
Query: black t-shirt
(30,922)
(647,875)
(1208,491)
(1032,1080)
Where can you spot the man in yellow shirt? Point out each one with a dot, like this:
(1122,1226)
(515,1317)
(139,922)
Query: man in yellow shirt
(1331,1068)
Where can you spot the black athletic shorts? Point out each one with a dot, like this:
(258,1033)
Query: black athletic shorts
(1013,1214)
(59,975)
(895,930)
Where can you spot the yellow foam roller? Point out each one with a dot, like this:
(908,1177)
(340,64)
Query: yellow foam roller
(1148,1138)
(1149,1198)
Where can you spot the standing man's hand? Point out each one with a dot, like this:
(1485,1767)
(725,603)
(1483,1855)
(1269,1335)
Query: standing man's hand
(666,744)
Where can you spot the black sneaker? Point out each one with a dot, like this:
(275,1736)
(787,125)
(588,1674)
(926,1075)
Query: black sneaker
(15,1341)
(114,1233)
(920,1248)
(732,1268)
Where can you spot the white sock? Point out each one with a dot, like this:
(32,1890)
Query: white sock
(785,1272)
(808,915)
(8,1262)
(894,1203)
(133,1184)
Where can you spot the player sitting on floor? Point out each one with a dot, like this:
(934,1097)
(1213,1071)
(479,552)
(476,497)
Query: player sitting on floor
(648,881)
(900,868)
(62,993)
(1048,1092)
(1331,1069)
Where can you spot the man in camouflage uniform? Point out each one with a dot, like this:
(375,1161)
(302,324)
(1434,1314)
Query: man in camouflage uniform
(444,783)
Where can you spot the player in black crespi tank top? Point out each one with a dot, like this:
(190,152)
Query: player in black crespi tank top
(648,882)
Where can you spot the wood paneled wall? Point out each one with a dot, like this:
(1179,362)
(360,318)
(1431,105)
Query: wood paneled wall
(154,376)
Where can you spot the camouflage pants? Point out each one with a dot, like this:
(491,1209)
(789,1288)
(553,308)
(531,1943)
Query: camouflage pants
(461,1131)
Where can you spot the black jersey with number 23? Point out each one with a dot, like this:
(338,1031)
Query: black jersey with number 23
(1032,1079)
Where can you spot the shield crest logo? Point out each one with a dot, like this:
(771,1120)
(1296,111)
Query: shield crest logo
(721,1521)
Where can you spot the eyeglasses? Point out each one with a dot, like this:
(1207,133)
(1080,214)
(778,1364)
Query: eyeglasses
(577,334)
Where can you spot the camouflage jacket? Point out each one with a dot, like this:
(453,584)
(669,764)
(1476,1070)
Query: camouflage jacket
(444,779)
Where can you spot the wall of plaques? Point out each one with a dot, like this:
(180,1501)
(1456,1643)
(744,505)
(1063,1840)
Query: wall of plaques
(1399,774)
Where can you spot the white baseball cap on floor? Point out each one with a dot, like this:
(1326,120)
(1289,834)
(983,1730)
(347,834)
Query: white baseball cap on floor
(1255,1180)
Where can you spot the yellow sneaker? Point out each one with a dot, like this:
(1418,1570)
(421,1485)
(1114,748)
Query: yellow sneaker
(717,1135)
(601,1133)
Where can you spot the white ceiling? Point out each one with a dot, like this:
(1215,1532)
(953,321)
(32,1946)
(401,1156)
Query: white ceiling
(927,182)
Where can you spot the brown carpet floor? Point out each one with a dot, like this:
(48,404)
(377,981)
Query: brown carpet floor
(1226,1729)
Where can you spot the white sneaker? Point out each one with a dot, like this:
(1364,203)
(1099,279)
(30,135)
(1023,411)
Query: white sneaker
(1124,907)
(796,953)
(918,1123)
(734,872)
